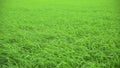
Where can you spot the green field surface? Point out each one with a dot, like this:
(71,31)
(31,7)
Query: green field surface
(59,34)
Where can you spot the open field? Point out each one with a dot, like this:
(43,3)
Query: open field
(59,34)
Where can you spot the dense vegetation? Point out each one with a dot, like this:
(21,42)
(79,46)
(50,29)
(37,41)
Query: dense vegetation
(59,34)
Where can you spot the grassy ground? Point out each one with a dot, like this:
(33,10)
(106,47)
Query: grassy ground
(59,34)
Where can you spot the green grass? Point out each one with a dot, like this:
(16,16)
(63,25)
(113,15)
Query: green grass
(59,34)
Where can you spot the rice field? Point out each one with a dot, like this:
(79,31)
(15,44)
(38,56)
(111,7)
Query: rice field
(59,34)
